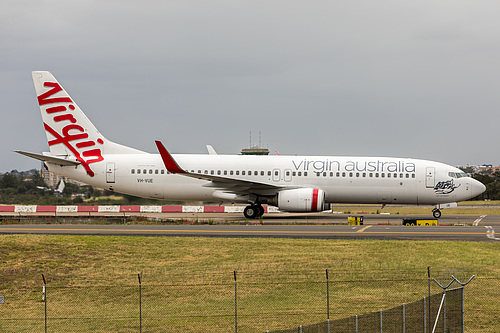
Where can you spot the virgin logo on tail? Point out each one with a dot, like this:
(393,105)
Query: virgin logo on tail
(60,113)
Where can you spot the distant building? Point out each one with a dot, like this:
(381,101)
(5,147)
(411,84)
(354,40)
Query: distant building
(255,150)
(52,180)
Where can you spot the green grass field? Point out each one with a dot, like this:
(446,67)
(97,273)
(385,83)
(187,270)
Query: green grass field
(188,282)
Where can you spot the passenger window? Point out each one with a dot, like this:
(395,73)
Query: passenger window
(400,175)
(376,175)
(206,172)
(144,171)
(225,172)
(357,174)
(364,174)
(350,174)
(383,175)
(276,173)
(133,171)
(212,172)
(388,175)
(288,173)
(331,174)
(218,172)
(299,173)
(230,172)
(255,173)
(156,171)
(324,174)
(371,174)
(407,176)
(412,175)
(237,172)
(269,173)
(305,173)
(262,173)
(338,174)
(243,172)
(150,171)
(343,174)
(162,171)
(293,173)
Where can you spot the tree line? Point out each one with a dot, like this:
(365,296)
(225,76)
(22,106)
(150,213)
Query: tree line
(29,188)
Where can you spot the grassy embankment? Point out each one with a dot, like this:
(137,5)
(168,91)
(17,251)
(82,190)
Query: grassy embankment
(188,282)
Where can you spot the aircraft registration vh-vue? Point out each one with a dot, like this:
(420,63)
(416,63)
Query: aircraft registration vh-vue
(291,183)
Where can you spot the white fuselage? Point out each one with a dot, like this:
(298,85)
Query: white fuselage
(343,179)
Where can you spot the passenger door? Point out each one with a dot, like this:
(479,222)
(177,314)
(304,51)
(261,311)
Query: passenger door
(430,178)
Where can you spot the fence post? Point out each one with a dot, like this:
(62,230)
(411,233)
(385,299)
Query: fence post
(444,311)
(327,301)
(443,303)
(45,300)
(235,304)
(381,321)
(140,302)
(429,305)
(404,318)
(425,317)
(463,298)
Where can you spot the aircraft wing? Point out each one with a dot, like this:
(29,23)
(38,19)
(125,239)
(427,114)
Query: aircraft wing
(237,186)
(49,159)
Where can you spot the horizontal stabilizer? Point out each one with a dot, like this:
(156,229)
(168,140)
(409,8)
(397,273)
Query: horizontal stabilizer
(48,159)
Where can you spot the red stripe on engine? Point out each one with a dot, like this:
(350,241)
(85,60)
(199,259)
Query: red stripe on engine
(314,206)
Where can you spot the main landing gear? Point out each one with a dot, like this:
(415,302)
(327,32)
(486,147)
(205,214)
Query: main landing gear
(253,211)
(436,213)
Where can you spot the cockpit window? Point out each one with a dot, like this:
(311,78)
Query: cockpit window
(457,174)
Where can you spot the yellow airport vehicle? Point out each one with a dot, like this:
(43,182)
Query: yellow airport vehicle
(420,222)
(355,220)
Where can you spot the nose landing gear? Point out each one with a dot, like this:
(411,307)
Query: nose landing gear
(436,213)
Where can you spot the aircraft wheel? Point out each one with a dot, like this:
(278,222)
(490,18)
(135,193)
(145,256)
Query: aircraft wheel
(251,212)
(436,213)
(261,210)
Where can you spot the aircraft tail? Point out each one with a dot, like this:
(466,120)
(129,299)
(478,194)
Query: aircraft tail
(69,132)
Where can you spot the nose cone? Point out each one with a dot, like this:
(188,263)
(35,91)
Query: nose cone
(477,187)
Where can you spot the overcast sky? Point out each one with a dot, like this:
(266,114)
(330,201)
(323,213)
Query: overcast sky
(396,78)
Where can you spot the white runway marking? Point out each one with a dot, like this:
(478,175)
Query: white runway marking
(490,233)
(476,222)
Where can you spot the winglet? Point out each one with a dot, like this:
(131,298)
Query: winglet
(168,160)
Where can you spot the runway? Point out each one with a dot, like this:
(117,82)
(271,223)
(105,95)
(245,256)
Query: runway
(479,228)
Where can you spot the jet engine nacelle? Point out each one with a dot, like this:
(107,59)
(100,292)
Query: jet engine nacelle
(301,200)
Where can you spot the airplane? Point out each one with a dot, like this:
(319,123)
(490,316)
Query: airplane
(291,183)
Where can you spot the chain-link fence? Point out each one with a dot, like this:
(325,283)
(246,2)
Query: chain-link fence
(267,299)
(426,315)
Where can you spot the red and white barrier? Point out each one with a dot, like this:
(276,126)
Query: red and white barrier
(26,209)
